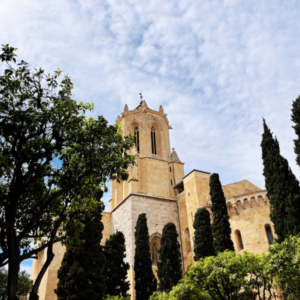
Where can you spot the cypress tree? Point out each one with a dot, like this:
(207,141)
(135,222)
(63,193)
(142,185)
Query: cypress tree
(203,235)
(81,272)
(145,281)
(221,226)
(169,267)
(296,120)
(282,188)
(116,269)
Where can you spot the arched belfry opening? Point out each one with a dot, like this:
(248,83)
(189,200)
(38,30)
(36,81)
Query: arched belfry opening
(137,139)
(153,140)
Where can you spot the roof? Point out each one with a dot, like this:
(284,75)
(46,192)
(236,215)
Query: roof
(195,171)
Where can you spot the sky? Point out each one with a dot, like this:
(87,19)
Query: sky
(217,68)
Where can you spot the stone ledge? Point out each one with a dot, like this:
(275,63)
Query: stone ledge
(142,195)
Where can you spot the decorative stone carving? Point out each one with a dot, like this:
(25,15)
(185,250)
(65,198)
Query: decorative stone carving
(174,157)
(250,202)
(265,199)
(161,110)
(235,209)
(143,106)
(118,119)
(126,109)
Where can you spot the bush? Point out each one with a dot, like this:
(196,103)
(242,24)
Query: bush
(226,276)
(109,297)
(284,266)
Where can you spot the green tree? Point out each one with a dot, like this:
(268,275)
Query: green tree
(116,268)
(54,163)
(221,226)
(282,186)
(145,281)
(296,120)
(24,284)
(81,272)
(284,266)
(226,276)
(169,267)
(203,235)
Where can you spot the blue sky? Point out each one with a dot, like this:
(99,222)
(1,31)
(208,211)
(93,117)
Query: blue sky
(217,67)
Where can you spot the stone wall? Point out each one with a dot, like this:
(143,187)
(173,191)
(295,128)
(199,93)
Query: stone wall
(121,220)
(250,214)
(106,220)
(158,210)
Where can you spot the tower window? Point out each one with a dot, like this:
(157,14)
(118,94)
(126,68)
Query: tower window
(171,182)
(137,139)
(170,169)
(269,233)
(239,241)
(153,140)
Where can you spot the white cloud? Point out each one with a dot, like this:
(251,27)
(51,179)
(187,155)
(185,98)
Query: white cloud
(216,66)
(26,268)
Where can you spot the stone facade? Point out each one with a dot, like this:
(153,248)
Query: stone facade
(158,187)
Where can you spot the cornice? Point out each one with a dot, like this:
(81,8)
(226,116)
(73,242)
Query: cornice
(142,195)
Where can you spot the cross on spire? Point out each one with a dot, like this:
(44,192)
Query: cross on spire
(141,96)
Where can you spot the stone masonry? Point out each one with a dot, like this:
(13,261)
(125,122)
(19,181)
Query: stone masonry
(158,187)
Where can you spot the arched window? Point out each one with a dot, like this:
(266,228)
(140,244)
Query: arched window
(171,182)
(170,169)
(153,140)
(137,139)
(269,233)
(239,241)
(154,247)
(154,255)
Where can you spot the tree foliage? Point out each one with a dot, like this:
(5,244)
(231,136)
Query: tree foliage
(145,281)
(81,272)
(169,267)
(221,226)
(51,158)
(226,276)
(282,186)
(284,266)
(203,235)
(116,268)
(24,284)
(109,297)
(296,120)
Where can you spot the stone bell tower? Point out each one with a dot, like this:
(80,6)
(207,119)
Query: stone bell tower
(157,170)
(149,189)
(150,186)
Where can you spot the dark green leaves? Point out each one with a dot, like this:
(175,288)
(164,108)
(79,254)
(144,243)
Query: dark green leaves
(169,267)
(145,282)
(203,235)
(221,226)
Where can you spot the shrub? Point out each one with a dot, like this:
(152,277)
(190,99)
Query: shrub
(109,297)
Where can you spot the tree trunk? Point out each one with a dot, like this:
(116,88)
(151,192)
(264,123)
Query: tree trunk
(50,256)
(13,263)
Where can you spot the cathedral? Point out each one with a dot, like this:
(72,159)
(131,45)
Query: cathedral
(158,186)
